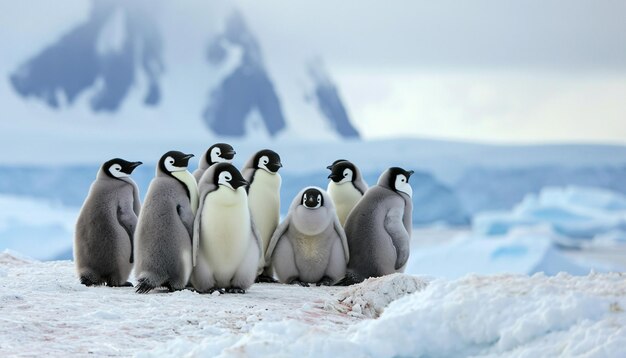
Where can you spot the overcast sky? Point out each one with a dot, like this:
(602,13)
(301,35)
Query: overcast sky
(486,70)
(489,70)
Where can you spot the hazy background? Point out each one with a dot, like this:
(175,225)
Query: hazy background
(512,113)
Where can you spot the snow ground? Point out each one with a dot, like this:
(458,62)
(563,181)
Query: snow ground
(44,311)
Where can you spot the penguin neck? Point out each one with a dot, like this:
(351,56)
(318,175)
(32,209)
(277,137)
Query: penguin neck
(310,222)
(262,177)
(189,182)
(204,162)
(227,197)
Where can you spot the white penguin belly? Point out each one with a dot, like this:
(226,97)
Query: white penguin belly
(345,196)
(225,232)
(190,182)
(265,204)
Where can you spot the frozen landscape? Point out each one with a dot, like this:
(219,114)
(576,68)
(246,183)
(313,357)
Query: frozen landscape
(519,209)
(45,311)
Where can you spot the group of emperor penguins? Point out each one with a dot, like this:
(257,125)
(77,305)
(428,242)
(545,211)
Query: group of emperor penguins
(218,228)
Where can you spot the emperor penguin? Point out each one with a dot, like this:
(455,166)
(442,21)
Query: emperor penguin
(165,227)
(261,172)
(227,248)
(346,187)
(217,153)
(379,228)
(310,245)
(103,240)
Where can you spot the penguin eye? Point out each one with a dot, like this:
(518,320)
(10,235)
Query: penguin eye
(319,199)
(118,169)
(171,161)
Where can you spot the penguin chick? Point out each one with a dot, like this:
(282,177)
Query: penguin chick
(379,228)
(346,187)
(164,231)
(261,171)
(310,245)
(217,153)
(103,240)
(227,248)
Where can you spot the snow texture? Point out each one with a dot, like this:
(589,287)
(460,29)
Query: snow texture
(504,315)
(374,294)
(45,311)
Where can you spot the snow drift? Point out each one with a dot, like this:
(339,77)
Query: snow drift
(504,315)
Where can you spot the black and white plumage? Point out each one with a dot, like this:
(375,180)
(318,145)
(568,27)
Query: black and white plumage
(261,171)
(103,240)
(217,153)
(379,228)
(346,187)
(310,245)
(164,231)
(227,246)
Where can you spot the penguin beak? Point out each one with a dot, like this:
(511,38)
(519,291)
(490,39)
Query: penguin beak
(409,173)
(236,183)
(334,177)
(274,166)
(128,169)
(184,160)
(330,167)
(229,154)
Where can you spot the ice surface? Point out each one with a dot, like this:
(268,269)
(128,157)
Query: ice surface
(574,212)
(35,227)
(522,251)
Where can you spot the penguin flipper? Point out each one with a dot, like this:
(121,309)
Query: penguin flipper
(278,233)
(128,220)
(342,236)
(195,233)
(394,226)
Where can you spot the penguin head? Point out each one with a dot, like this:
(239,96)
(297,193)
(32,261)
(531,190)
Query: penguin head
(267,160)
(330,167)
(399,180)
(227,175)
(119,168)
(312,199)
(174,161)
(220,153)
(342,172)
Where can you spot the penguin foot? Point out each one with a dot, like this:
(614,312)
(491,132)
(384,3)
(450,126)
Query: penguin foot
(125,284)
(325,281)
(235,290)
(214,289)
(88,281)
(350,279)
(265,279)
(298,282)
(143,286)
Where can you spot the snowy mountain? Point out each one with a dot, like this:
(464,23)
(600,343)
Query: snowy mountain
(102,55)
(122,60)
